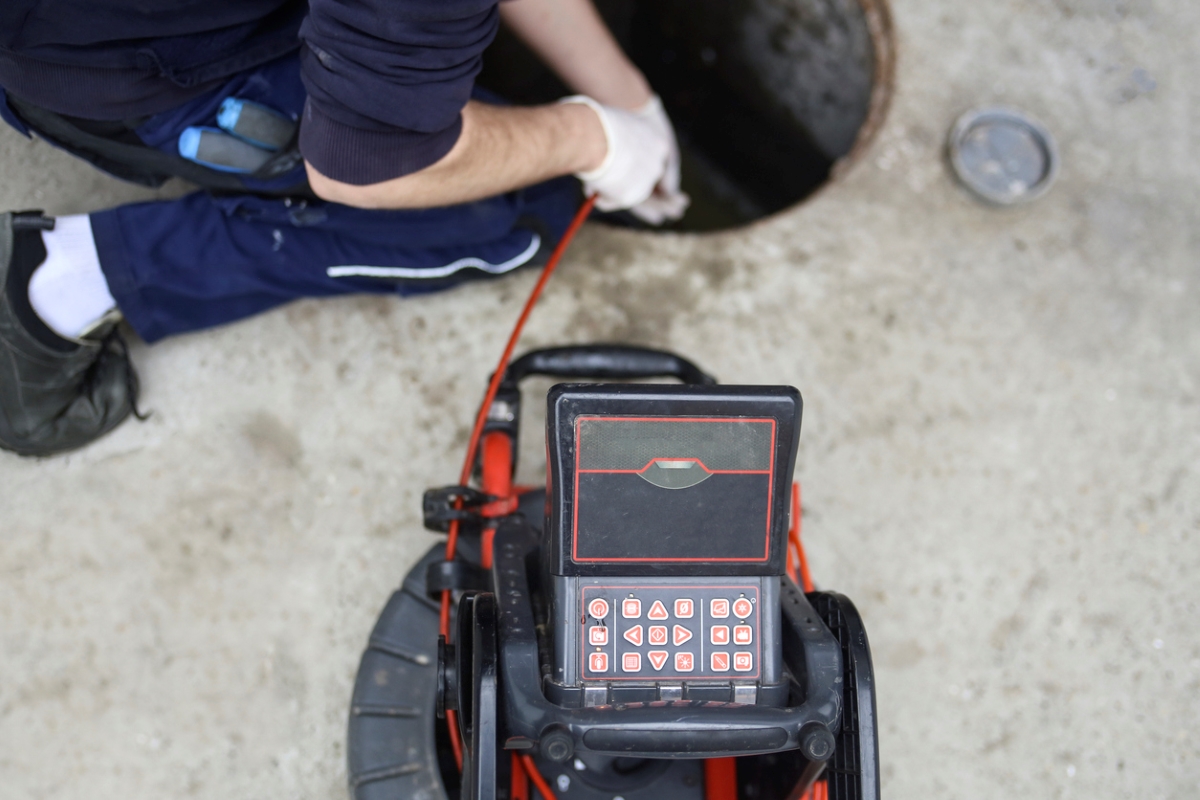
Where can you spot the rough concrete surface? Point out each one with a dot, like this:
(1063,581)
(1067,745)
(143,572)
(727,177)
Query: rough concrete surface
(1000,457)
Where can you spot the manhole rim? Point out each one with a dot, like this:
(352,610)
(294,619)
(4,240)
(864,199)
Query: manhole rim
(878,17)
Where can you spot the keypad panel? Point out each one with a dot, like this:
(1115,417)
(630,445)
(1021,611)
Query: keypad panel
(657,632)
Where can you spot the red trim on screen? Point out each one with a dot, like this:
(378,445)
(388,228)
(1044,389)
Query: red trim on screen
(655,460)
(770,491)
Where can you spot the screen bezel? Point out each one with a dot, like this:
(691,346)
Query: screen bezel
(568,402)
(766,554)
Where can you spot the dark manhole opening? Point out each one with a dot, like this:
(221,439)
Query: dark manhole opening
(770,98)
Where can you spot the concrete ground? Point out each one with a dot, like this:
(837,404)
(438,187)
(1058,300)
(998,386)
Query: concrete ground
(1000,457)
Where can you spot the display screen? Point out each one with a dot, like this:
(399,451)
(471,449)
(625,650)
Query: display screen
(673,489)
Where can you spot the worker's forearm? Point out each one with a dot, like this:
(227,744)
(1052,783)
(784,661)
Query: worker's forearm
(501,148)
(572,39)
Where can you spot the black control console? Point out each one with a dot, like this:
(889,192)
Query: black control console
(636,618)
(665,540)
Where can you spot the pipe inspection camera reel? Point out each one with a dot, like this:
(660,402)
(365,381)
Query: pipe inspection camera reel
(632,631)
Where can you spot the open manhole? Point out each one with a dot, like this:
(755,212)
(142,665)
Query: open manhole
(770,98)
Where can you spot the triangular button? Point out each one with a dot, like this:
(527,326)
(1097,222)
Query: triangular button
(680,635)
(657,658)
(657,611)
(634,635)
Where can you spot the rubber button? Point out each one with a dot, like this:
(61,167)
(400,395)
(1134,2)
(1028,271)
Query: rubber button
(657,611)
(684,662)
(631,608)
(719,634)
(634,636)
(598,608)
(658,634)
(658,658)
(743,634)
(598,635)
(742,608)
(743,662)
(598,662)
(719,608)
(680,635)
(631,662)
(719,662)
(684,608)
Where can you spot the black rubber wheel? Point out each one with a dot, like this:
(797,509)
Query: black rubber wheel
(392,749)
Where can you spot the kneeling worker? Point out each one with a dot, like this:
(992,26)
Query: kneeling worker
(343,148)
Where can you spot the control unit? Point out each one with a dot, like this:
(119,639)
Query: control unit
(665,540)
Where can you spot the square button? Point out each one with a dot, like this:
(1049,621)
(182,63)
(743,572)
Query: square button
(598,635)
(684,662)
(631,608)
(598,662)
(720,634)
(631,662)
(743,634)
(658,635)
(719,661)
(743,662)
(684,608)
(719,608)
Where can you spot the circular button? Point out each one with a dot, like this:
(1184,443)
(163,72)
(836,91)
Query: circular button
(598,608)
(742,608)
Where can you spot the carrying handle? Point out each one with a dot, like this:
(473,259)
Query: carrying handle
(593,361)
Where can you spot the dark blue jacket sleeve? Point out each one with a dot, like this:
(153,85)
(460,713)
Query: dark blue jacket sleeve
(387,80)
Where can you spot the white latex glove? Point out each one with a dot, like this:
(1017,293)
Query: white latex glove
(636,160)
(667,202)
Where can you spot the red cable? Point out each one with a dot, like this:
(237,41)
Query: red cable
(806,582)
(494,386)
(720,779)
(532,771)
(519,786)
(473,446)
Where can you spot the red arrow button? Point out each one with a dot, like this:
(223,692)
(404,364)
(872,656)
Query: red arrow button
(657,611)
(634,635)
(680,635)
(657,658)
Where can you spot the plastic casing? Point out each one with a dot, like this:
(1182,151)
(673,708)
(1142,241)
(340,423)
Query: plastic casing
(567,402)
(757,570)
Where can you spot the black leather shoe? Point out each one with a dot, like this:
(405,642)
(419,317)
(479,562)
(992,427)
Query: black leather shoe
(55,394)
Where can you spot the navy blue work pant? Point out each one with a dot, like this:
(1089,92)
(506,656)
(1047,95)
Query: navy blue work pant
(207,259)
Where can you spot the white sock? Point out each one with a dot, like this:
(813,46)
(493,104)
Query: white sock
(68,291)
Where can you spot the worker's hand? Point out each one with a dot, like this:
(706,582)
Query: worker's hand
(636,162)
(667,202)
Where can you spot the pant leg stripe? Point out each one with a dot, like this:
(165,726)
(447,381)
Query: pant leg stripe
(518,260)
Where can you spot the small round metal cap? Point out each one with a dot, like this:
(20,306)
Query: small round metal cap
(1003,155)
